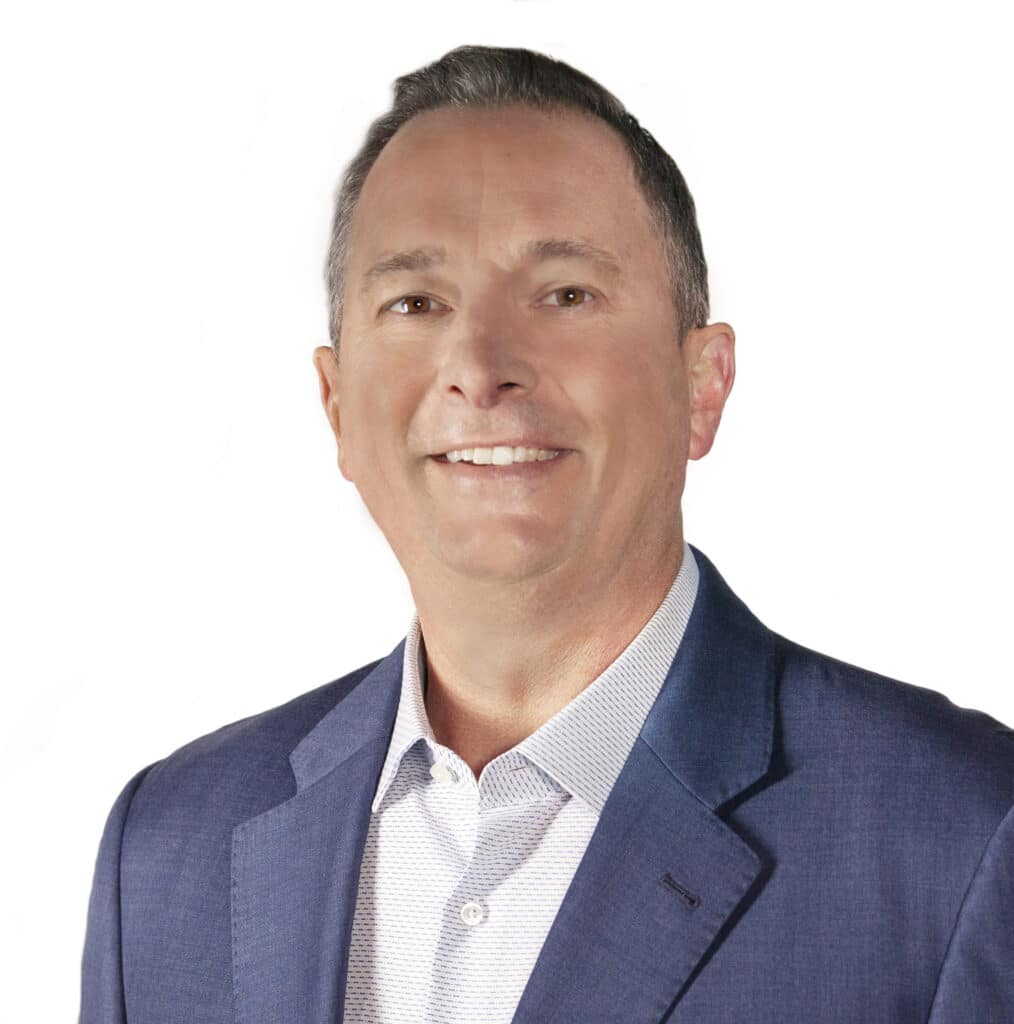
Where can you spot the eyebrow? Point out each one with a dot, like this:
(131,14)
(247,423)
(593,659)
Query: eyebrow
(536,251)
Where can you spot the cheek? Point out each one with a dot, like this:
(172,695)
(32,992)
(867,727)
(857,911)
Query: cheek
(645,390)
(650,433)
(376,421)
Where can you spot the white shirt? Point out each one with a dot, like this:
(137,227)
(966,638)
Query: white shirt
(461,879)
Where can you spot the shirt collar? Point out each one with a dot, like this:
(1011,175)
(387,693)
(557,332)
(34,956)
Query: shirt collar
(584,746)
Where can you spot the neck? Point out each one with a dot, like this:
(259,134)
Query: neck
(500,663)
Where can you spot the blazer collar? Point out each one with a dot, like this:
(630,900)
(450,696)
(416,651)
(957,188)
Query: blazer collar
(713,723)
(363,718)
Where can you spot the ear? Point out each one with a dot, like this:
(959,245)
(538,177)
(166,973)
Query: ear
(328,376)
(710,358)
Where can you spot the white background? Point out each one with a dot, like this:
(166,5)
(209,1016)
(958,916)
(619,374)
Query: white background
(178,548)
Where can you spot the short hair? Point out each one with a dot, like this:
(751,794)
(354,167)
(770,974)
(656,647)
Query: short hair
(484,76)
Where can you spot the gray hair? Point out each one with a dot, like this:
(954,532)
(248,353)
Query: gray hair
(483,76)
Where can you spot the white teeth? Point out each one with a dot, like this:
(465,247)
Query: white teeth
(501,455)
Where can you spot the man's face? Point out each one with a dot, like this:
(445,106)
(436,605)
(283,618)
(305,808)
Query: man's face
(494,344)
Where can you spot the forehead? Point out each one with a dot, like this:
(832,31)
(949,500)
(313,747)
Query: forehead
(483,181)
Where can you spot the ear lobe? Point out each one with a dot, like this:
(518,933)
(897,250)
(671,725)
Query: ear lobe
(710,380)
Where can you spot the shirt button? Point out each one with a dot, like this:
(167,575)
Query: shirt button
(442,773)
(472,914)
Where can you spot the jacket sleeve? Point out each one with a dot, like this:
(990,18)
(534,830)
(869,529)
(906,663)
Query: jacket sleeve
(102,999)
(976,982)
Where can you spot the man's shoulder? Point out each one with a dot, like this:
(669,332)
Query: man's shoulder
(890,734)
(853,720)
(241,768)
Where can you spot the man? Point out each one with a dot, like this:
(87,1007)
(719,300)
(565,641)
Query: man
(588,785)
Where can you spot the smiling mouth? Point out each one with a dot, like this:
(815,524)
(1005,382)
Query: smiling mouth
(521,470)
(500,456)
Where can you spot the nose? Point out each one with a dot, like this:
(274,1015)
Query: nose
(483,361)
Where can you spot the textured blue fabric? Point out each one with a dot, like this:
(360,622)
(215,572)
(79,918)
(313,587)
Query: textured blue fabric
(792,839)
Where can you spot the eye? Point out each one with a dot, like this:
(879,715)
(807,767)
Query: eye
(568,294)
(412,305)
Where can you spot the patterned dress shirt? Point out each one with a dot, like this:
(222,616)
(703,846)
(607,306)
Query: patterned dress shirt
(461,879)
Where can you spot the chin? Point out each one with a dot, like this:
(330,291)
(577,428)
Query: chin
(503,559)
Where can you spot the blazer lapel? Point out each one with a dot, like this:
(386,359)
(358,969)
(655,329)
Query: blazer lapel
(662,881)
(663,874)
(295,867)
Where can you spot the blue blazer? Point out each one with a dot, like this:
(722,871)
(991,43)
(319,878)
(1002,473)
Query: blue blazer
(792,839)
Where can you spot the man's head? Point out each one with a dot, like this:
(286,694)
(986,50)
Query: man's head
(484,76)
(503,277)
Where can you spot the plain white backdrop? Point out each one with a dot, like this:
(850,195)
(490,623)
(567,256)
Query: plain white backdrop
(179,549)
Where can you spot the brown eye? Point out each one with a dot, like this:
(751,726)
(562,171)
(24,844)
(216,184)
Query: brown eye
(410,305)
(570,296)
